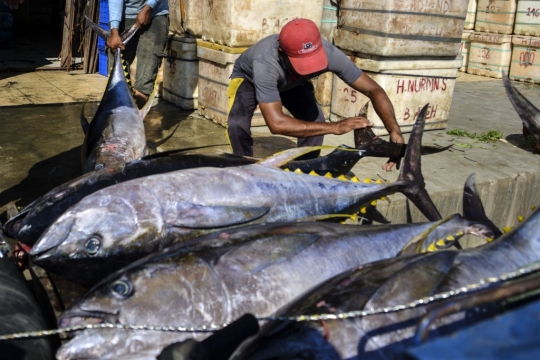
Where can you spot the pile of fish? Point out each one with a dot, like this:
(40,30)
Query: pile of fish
(188,240)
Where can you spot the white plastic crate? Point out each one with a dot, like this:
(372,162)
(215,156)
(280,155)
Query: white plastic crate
(323,92)
(465,48)
(495,16)
(215,67)
(401,28)
(181,72)
(410,83)
(238,23)
(524,65)
(527,18)
(329,20)
(185,17)
(489,54)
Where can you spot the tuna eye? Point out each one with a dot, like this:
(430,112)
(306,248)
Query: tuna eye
(92,245)
(121,288)
(99,166)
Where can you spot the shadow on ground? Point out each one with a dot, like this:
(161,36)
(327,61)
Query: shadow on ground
(43,177)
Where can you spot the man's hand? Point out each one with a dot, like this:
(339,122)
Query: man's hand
(143,17)
(395,137)
(13,4)
(349,124)
(115,41)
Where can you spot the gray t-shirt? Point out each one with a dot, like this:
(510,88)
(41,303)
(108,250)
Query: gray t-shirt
(262,67)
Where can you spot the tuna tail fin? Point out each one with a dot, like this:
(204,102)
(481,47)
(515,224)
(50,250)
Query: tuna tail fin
(104,34)
(411,171)
(84,122)
(146,108)
(473,209)
(529,114)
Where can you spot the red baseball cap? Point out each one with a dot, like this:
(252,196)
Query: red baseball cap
(300,39)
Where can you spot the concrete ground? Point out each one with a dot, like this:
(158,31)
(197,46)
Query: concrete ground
(41,138)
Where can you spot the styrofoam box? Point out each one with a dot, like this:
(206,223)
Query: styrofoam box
(527,18)
(471,15)
(465,48)
(489,54)
(524,65)
(181,72)
(323,92)
(401,28)
(329,20)
(495,16)
(237,23)
(410,83)
(189,21)
(215,67)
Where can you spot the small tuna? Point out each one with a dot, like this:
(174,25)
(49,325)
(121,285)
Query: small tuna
(116,133)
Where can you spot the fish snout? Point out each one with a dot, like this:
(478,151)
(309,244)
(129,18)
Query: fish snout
(53,237)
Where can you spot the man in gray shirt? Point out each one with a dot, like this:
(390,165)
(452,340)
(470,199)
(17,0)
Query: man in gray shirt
(275,72)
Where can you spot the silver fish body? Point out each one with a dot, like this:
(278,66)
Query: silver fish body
(400,281)
(215,279)
(116,133)
(21,312)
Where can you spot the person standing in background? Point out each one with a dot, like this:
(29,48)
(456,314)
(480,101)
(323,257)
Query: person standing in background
(148,44)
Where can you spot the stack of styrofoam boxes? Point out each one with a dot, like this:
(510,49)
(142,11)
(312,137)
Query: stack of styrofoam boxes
(216,63)
(491,43)
(230,27)
(181,64)
(526,41)
(467,31)
(410,48)
(323,83)
(103,64)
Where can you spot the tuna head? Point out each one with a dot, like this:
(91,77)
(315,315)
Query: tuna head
(155,294)
(99,226)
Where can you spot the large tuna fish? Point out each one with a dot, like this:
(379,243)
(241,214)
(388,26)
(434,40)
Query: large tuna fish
(116,133)
(28,225)
(21,312)
(114,226)
(400,281)
(255,269)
